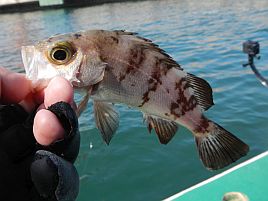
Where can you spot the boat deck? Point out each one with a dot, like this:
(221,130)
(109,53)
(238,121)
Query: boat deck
(249,178)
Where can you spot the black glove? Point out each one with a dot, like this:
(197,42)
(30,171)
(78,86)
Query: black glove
(29,171)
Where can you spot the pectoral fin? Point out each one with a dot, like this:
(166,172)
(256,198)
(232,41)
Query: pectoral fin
(164,129)
(107,119)
(82,105)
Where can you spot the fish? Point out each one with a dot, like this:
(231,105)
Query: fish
(120,67)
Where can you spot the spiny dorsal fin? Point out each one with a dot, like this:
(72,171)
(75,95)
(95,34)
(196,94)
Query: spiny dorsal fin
(107,119)
(202,91)
(164,129)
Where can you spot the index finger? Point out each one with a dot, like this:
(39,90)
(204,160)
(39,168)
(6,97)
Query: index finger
(14,87)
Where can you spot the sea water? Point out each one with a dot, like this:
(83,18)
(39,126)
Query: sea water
(205,38)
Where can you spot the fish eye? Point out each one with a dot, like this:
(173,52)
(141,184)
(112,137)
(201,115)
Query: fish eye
(61,53)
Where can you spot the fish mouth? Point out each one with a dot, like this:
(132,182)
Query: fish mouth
(27,54)
(30,58)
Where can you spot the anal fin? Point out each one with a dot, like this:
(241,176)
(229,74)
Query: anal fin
(202,91)
(164,129)
(107,119)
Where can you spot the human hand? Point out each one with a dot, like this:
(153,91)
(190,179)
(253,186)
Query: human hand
(23,170)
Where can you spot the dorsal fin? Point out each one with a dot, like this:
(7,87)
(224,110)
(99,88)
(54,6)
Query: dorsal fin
(202,91)
(164,129)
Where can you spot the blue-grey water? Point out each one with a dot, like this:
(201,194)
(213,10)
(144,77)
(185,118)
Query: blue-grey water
(205,37)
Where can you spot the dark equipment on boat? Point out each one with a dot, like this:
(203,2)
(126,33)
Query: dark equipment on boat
(252,49)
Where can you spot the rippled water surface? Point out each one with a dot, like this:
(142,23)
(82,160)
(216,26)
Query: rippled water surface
(205,38)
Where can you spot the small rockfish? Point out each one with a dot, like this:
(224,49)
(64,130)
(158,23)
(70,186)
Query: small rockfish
(122,67)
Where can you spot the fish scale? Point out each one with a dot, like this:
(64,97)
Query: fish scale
(122,67)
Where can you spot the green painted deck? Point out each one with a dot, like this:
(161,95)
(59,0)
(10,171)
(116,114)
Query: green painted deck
(249,178)
(50,2)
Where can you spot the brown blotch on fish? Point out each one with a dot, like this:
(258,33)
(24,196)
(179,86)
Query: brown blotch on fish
(77,35)
(166,65)
(136,56)
(175,110)
(114,40)
(182,99)
(178,85)
(156,74)
(151,80)
(190,104)
(130,68)
(135,60)
(187,85)
(151,88)
(203,126)
(186,105)
(122,77)
(145,98)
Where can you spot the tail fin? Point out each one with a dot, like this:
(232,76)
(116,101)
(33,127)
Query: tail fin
(219,148)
